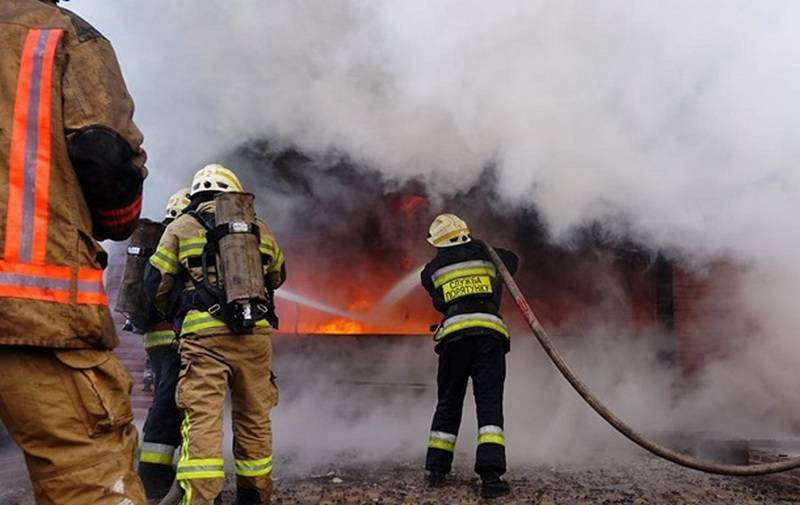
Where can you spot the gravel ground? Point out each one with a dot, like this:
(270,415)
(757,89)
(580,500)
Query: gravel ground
(647,482)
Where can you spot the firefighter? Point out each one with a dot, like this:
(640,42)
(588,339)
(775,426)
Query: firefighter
(161,433)
(71,173)
(216,351)
(471,341)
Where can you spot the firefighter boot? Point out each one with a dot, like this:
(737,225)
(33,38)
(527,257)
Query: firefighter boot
(250,496)
(436,479)
(492,486)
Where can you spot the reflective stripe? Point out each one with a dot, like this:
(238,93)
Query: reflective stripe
(267,247)
(158,338)
(159,454)
(444,238)
(165,260)
(30,157)
(442,440)
(462,265)
(188,468)
(197,320)
(51,283)
(119,217)
(90,287)
(185,484)
(253,467)
(474,320)
(491,434)
(212,468)
(191,247)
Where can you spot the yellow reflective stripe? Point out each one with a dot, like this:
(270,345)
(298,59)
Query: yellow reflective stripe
(471,323)
(448,236)
(201,462)
(191,247)
(200,474)
(155,458)
(185,484)
(211,468)
(158,338)
(492,438)
(267,247)
(435,443)
(465,272)
(165,261)
(233,182)
(253,467)
(196,321)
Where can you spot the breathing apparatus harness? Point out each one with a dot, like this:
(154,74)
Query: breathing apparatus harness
(240,316)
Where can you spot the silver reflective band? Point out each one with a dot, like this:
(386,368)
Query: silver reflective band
(239,227)
(480,316)
(134,251)
(440,435)
(490,429)
(158,448)
(458,266)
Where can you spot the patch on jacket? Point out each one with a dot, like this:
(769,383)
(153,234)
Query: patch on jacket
(83,29)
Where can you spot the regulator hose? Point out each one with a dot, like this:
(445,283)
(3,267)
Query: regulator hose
(632,435)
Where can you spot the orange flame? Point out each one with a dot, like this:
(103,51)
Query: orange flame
(340,326)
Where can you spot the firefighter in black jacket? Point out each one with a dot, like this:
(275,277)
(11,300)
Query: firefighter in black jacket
(471,341)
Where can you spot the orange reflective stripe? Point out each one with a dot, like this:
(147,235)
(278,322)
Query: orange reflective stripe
(56,272)
(44,152)
(90,287)
(16,162)
(30,160)
(92,298)
(35,282)
(51,283)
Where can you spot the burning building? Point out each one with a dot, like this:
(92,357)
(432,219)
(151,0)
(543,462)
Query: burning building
(355,243)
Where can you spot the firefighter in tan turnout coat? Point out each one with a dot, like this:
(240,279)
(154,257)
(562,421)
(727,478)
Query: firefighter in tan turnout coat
(71,172)
(214,355)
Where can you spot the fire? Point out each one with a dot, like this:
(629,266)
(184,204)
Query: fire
(340,326)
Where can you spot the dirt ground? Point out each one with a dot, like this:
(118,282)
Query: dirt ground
(644,483)
(650,482)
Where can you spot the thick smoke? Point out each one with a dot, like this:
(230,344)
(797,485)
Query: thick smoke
(672,124)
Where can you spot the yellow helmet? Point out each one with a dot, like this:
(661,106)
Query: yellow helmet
(177,202)
(215,178)
(448,230)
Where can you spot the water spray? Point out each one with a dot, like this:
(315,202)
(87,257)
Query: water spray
(626,430)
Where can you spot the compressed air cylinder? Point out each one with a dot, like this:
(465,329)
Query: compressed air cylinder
(240,259)
(142,244)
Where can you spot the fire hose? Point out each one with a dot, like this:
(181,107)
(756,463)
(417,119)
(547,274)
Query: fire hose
(623,428)
(649,445)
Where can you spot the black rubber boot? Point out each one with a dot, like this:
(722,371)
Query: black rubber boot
(436,479)
(248,496)
(492,486)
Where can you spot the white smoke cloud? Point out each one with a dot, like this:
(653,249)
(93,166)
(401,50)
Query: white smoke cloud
(678,119)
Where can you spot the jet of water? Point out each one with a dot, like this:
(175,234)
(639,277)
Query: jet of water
(328,309)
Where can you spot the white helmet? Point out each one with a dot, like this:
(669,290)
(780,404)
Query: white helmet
(215,178)
(177,203)
(448,230)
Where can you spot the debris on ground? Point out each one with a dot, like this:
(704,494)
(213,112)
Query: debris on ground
(646,482)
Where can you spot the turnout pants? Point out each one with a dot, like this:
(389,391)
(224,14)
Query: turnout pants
(70,413)
(162,429)
(481,358)
(209,364)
